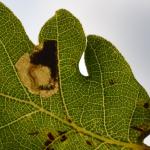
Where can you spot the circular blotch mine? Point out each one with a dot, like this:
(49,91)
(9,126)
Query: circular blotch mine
(36,78)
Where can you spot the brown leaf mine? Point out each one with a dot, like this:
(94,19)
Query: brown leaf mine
(38,71)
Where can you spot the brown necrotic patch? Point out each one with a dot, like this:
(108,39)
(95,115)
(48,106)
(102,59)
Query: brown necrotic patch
(63,138)
(50,139)
(39,71)
(146,105)
(51,136)
(137,128)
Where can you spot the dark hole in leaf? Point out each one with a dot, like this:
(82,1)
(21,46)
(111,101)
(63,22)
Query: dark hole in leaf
(63,138)
(146,105)
(50,136)
(61,132)
(47,57)
(47,148)
(88,142)
(47,142)
(112,82)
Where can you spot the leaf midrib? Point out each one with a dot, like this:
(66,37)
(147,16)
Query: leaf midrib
(59,76)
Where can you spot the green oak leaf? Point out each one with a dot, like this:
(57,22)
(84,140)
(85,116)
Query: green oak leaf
(108,110)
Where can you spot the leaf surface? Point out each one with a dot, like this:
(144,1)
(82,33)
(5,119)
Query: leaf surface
(108,109)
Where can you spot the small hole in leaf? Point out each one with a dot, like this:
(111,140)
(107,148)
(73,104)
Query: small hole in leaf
(82,66)
(146,105)
(63,138)
(147,140)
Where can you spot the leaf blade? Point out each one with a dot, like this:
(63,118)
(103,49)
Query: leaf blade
(29,124)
